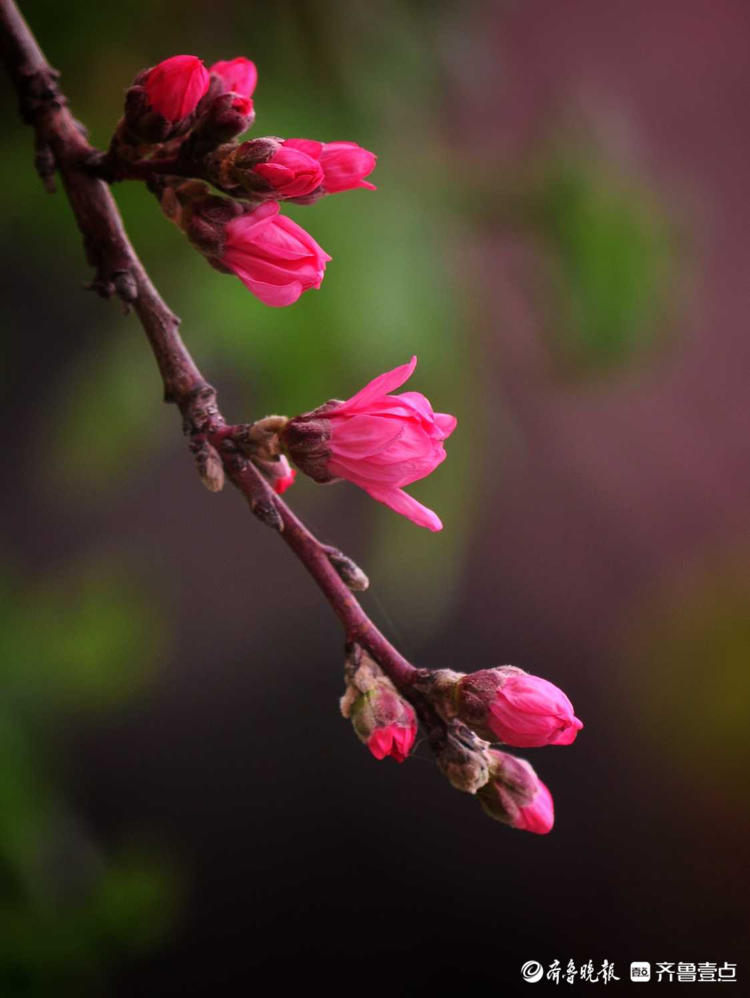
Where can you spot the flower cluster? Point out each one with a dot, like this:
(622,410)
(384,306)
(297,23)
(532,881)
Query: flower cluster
(181,132)
(510,706)
(181,115)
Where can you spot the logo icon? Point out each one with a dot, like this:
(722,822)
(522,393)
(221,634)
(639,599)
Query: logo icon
(640,971)
(532,971)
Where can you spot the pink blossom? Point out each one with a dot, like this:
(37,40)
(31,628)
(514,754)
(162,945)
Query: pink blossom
(272,255)
(539,815)
(516,708)
(382,442)
(345,164)
(291,173)
(174,86)
(238,75)
(394,740)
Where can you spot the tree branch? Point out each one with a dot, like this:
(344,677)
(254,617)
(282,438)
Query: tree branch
(61,144)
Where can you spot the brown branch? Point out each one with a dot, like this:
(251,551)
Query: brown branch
(61,142)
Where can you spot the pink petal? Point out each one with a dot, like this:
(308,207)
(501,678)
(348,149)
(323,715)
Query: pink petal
(382,385)
(175,86)
(359,436)
(445,423)
(309,146)
(539,815)
(238,75)
(405,504)
(380,742)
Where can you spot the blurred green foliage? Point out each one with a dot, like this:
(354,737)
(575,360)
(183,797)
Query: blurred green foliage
(613,260)
(685,665)
(79,641)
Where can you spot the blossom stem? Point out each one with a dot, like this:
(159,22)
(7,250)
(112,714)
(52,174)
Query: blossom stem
(120,272)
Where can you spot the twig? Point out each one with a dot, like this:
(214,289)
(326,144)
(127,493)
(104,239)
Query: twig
(61,141)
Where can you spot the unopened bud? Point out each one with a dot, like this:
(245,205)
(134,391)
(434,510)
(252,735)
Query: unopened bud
(349,571)
(380,716)
(232,167)
(505,704)
(464,759)
(209,464)
(201,215)
(516,796)
(221,119)
(161,102)
(278,471)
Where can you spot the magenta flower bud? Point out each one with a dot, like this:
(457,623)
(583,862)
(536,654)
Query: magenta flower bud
(226,116)
(509,705)
(344,164)
(381,717)
(273,256)
(516,796)
(175,86)
(378,441)
(283,476)
(290,173)
(238,75)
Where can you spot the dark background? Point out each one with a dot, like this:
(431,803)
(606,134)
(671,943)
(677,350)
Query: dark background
(560,234)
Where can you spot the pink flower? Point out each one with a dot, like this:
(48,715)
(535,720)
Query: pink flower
(516,796)
(509,705)
(291,173)
(380,442)
(238,75)
(394,740)
(272,255)
(345,164)
(174,86)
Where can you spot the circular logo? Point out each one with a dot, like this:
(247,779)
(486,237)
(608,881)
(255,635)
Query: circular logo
(532,971)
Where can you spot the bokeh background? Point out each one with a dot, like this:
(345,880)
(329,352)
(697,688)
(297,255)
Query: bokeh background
(560,235)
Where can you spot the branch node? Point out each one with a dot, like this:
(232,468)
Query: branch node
(266,511)
(349,571)
(45,165)
(125,286)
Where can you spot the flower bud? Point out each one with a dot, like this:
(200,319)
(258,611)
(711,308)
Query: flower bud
(344,164)
(516,796)
(174,86)
(209,464)
(378,441)
(161,101)
(380,716)
(201,215)
(348,570)
(509,705)
(463,758)
(290,173)
(273,256)
(224,117)
(238,75)
(231,167)
(283,476)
